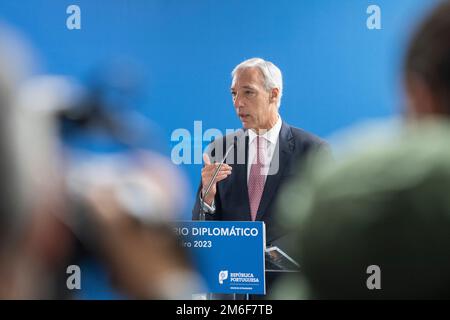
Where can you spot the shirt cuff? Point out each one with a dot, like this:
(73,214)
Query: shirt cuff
(208,208)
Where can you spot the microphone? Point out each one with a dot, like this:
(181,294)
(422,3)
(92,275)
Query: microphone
(211,182)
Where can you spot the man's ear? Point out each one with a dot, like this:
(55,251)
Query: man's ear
(274,95)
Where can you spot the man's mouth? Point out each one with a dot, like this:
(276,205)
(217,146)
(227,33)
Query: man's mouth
(244,116)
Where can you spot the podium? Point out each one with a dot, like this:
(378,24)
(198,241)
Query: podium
(232,258)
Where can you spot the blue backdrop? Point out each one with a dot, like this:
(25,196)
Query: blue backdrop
(336,71)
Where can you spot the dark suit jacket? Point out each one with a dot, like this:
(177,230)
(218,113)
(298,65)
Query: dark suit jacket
(231,200)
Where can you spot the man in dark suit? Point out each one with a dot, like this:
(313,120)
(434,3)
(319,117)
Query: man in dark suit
(265,153)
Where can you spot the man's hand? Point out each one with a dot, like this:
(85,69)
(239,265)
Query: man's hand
(207,174)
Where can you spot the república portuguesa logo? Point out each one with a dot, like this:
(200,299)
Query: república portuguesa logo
(223,275)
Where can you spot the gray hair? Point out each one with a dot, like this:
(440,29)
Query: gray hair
(271,73)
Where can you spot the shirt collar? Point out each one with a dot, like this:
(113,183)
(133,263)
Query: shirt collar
(271,135)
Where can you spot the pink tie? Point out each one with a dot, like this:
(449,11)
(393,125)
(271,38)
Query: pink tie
(257,178)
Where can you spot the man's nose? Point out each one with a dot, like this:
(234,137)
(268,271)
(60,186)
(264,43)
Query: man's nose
(237,102)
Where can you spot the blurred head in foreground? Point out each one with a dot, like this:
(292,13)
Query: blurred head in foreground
(375,223)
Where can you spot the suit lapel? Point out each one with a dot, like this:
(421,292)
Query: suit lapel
(237,185)
(284,149)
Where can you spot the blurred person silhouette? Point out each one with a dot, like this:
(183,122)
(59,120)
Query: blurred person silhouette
(374,223)
(121,190)
(80,180)
(34,244)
